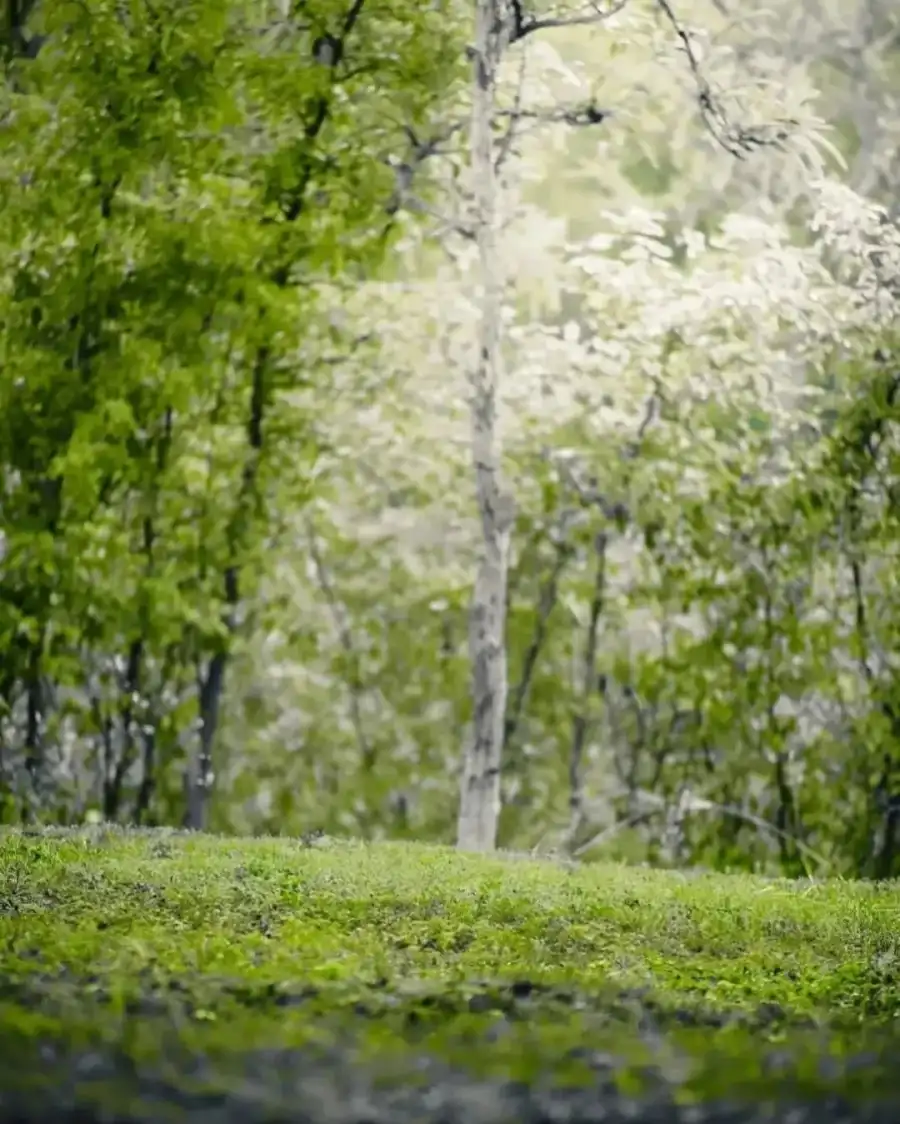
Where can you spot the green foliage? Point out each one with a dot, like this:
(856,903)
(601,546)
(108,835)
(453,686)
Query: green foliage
(177,183)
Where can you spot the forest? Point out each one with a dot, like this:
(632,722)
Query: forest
(505,455)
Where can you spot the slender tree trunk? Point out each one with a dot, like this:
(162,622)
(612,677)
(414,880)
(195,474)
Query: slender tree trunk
(114,777)
(34,742)
(199,776)
(480,789)
(549,596)
(581,721)
(148,779)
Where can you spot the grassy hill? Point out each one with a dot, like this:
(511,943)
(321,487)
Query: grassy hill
(151,975)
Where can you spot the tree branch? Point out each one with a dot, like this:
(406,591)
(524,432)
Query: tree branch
(546,605)
(735,139)
(524,25)
(574,115)
(581,721)
(345,637)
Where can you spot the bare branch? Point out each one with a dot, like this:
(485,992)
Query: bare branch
(448,223)
(405,171)
(367,752)
(651,412)
(547,601)
(735,139)
(575,115)
(698,804)
(524,25)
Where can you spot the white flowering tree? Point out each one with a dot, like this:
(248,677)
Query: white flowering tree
(671,368)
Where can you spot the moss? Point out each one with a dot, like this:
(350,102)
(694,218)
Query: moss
(507,969)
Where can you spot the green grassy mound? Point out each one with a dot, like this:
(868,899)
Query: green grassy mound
(212,970)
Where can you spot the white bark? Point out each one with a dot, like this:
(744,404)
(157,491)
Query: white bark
(480,789)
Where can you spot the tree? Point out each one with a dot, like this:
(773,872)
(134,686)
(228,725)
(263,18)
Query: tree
(480,790)
(180,182)
(645,315)
(498,25)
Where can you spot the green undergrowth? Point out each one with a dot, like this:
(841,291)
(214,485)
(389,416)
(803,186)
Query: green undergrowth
(506,968)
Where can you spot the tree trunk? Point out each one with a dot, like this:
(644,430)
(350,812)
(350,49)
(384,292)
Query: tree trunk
(199,777)
(34,740)
(480,789)
(581,721)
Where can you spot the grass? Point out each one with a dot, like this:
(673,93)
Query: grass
(506,968)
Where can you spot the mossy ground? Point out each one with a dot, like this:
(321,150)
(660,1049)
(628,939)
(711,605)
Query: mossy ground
(168,947)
